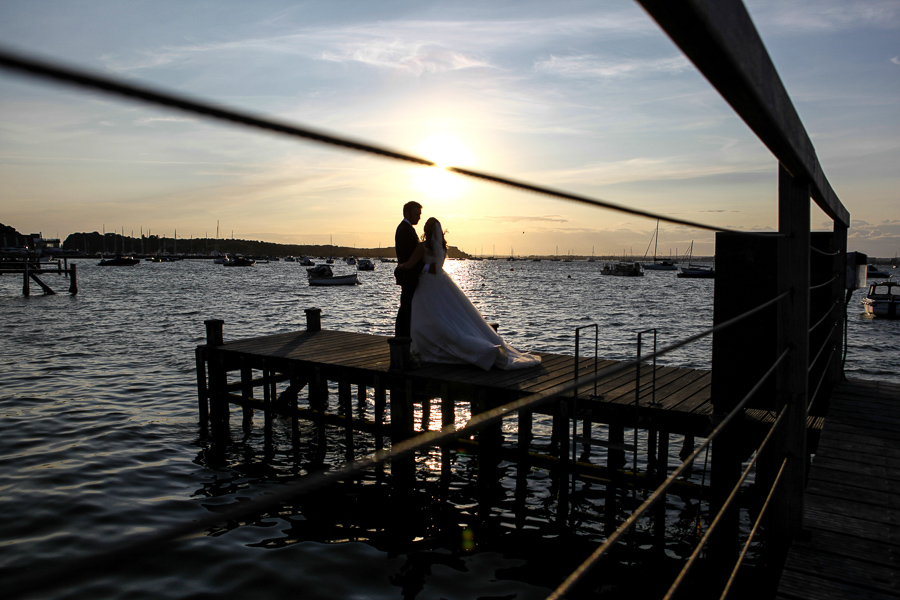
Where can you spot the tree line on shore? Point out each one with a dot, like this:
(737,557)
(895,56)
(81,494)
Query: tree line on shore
(111,243)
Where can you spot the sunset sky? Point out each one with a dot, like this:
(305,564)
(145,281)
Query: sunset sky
(587,97)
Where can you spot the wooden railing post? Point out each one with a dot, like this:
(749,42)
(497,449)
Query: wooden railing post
(793,333)
(839,289)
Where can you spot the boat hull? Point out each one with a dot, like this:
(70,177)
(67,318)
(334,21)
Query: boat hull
(119,262)
(697,273)
(337,280)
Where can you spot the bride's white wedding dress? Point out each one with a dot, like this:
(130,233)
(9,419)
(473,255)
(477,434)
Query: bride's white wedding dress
(447,328)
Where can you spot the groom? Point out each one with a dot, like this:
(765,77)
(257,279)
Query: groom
(405,242)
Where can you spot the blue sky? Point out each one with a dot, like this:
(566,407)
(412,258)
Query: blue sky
(587,97)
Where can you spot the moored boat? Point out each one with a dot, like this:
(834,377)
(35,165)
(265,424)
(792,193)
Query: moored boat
(697,272)
(882,299)
(119,261)
(623,268)
(323,275)
(364,264)
(239,261)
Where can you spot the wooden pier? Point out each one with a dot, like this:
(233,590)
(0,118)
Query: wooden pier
(31,268)
(850,542)
(669,400)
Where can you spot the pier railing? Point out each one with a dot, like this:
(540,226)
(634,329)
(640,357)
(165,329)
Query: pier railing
(795,354)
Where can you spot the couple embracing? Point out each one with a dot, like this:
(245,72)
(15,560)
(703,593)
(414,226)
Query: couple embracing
(444,325)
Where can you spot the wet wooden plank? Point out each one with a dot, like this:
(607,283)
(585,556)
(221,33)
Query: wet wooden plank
(852,502)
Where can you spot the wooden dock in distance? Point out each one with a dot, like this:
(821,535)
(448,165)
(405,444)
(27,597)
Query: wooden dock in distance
(31,268)
(851,514)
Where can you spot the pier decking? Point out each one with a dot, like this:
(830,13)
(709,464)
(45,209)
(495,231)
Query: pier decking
(671,399)
(850,546)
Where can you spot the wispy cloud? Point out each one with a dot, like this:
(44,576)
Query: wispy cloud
(896,60)
(151,121)
(824,15)
(413,57)
(596,66)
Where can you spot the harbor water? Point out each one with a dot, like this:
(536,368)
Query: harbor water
(100,443)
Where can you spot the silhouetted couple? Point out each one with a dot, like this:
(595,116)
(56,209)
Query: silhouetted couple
(444,325)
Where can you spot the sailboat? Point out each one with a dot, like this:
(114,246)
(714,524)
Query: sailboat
(219,258)
(696,271)
(657,265)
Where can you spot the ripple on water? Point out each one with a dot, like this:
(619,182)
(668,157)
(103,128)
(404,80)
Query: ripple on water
(100,443)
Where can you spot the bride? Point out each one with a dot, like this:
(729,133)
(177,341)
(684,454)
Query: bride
(446,327)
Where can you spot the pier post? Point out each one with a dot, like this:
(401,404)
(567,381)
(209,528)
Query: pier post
(793,332)
(218,403)
(73,279)
(214,336)
(26,284)
(313,319)
(246,395)
(400,356)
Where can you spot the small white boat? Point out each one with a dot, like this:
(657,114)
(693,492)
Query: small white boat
(883,299)
(623,268)
(364,264)
(323,275)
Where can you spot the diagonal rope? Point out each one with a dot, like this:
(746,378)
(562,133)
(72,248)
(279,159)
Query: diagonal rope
(83,566)
(56,72)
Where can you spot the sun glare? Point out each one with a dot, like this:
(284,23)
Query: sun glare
(445,150)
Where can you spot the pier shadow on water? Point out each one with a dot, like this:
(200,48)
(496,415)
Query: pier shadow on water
(461,521)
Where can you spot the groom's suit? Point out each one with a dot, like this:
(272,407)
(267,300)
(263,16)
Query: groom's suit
(405,242)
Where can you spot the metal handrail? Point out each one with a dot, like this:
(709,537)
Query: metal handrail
(596,329)
(660,491)
(689,564)
(756,524)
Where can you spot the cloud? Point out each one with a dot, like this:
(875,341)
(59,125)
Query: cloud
(896,60)
(413,57)
(150,121)
(824,15)
(527,219)
(595,66)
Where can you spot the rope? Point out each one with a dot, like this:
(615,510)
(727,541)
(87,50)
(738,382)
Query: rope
(82,566)
(658,493)
(47,70)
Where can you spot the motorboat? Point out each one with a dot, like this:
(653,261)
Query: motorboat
(350,260)
(289,259)
(323,275)
(119,261)
(364,264)
(239,261)
(883,299)
(873,272)
(623,268)
(306,261)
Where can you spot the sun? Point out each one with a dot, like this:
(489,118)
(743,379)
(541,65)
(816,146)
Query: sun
(445,150)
